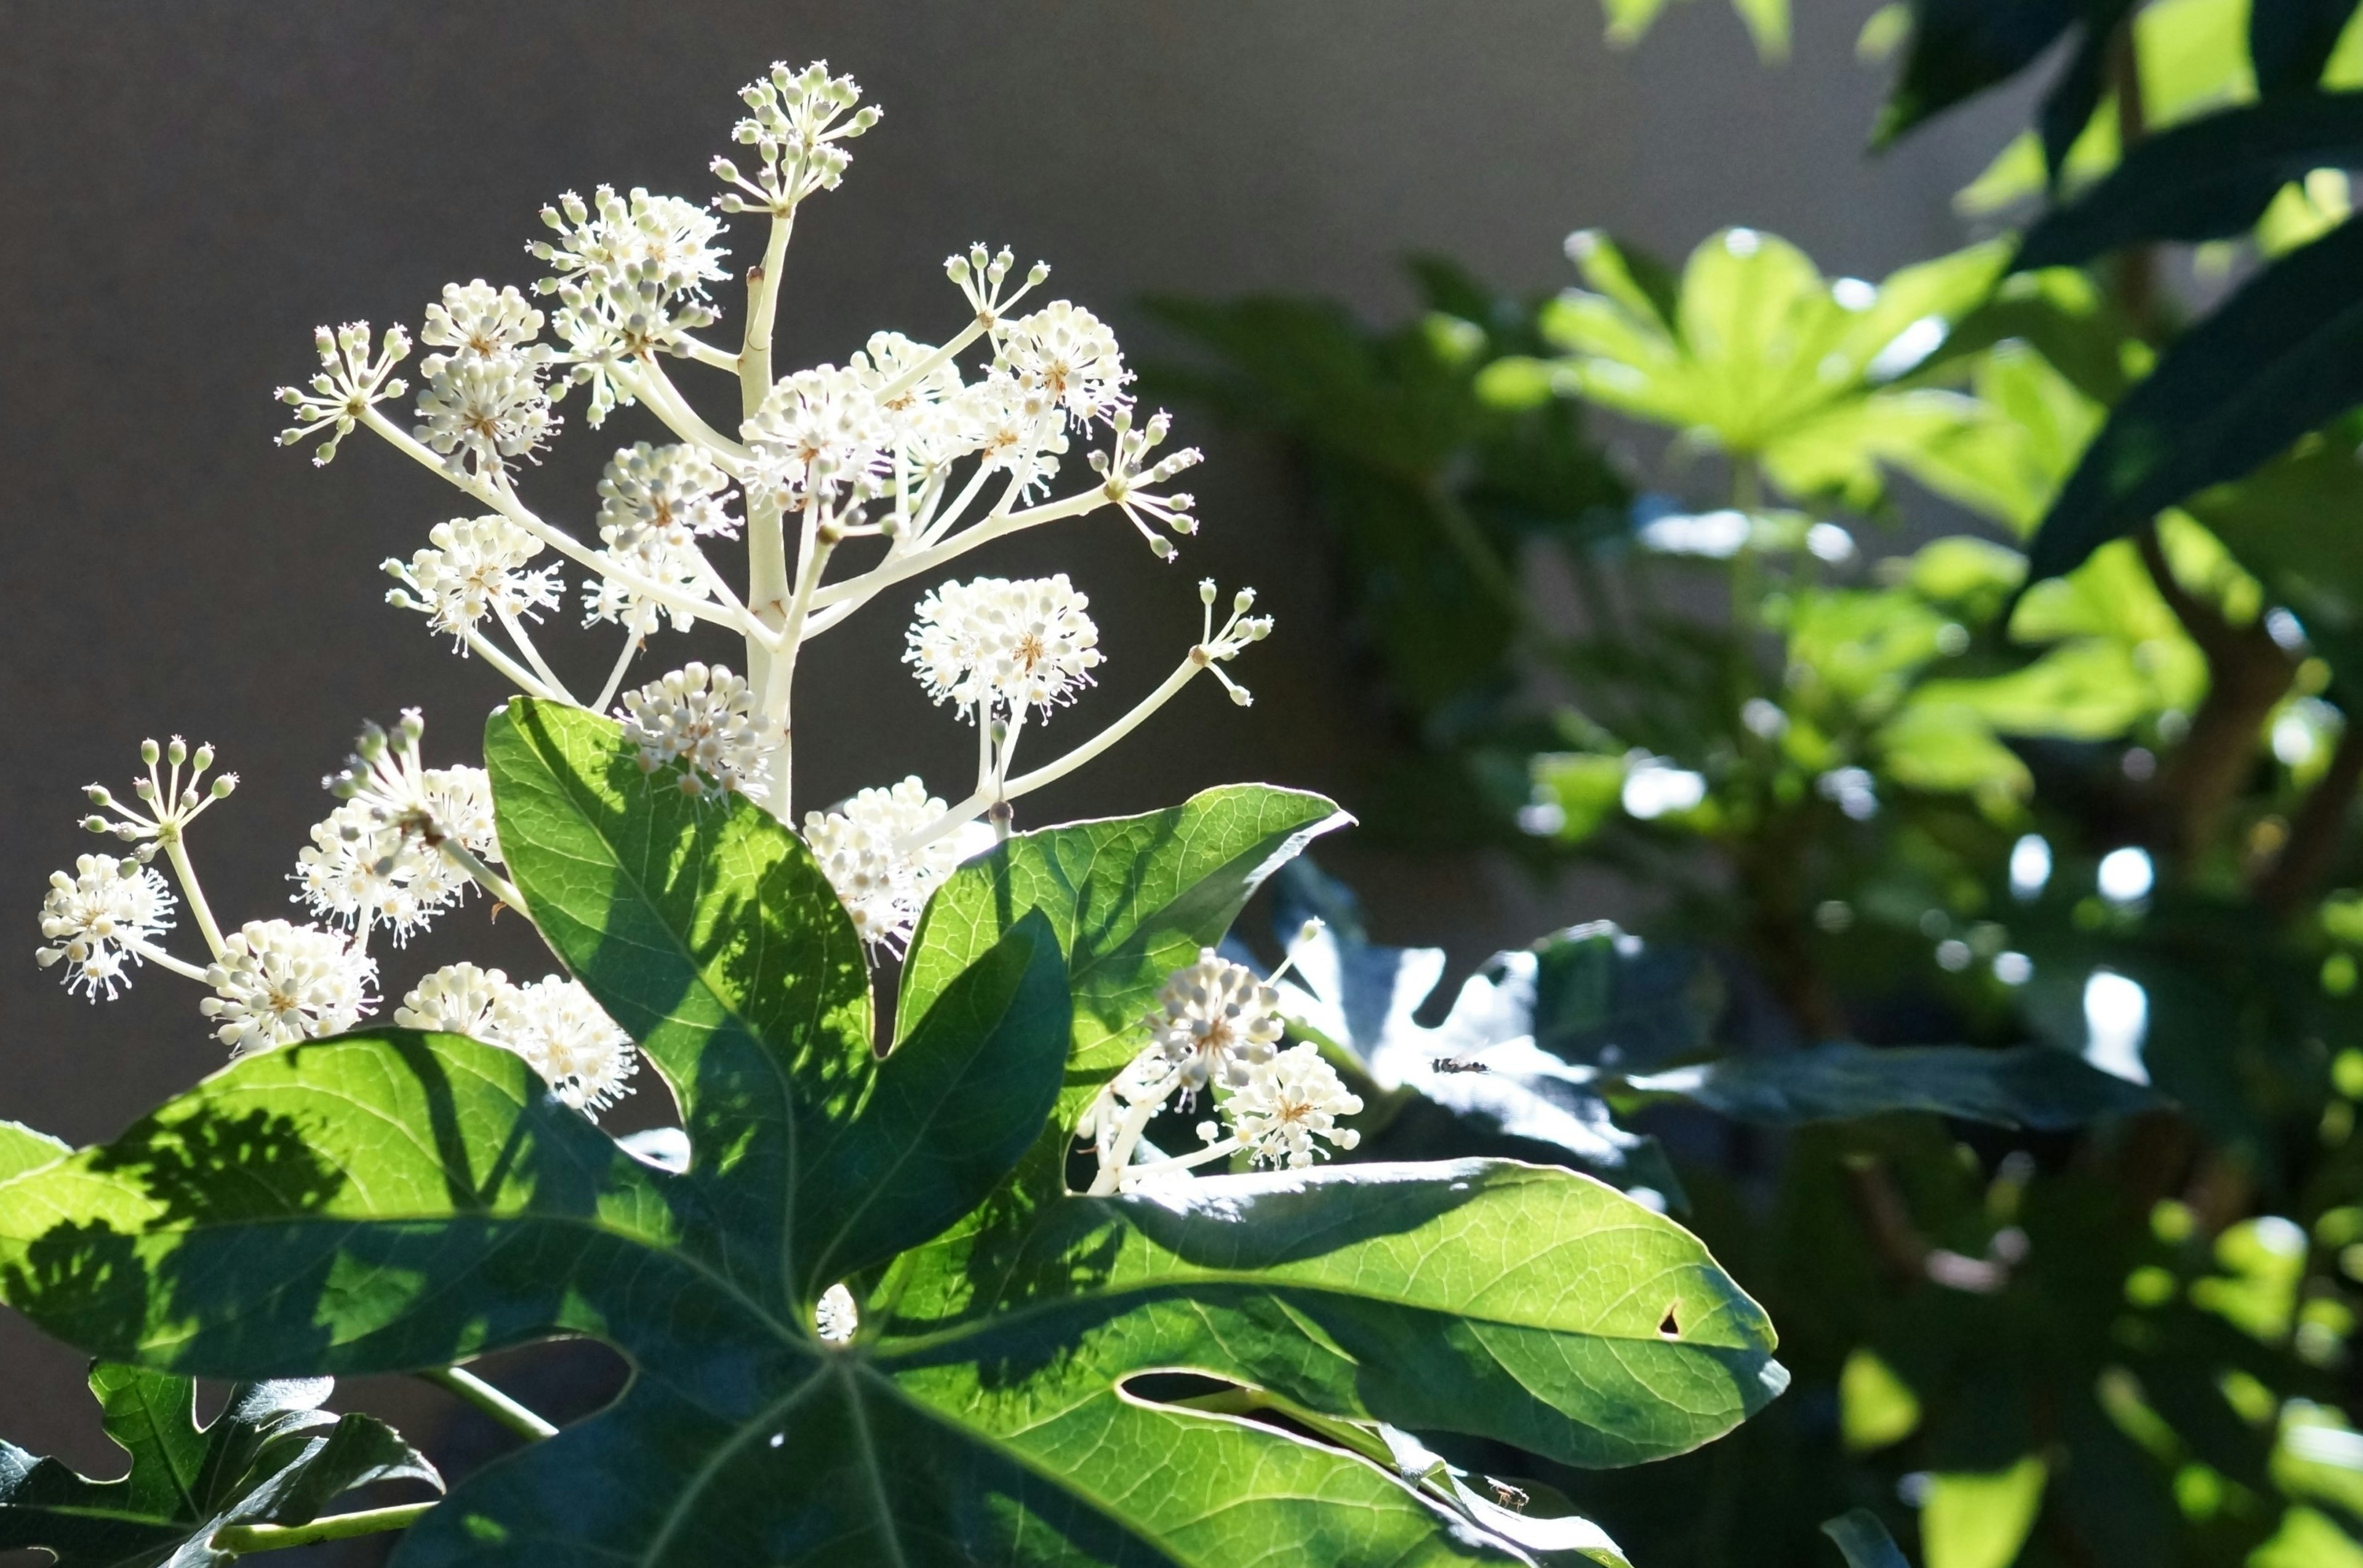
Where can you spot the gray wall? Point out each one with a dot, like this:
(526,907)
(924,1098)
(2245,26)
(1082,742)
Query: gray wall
(185,190)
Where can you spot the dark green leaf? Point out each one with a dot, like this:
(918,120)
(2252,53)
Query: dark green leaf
(272,1456)
(393,1201)
(2068,106)
(1864,1540)
(2029,1085)
(1131,899)
(2283,356)
(2210,178)
(2290,42)
(708,932)
(1960,47)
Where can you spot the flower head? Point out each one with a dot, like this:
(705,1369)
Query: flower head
(1215,1023)
(884,888)
(702,717)
(474,567)
(458,998)
(1128,474)
(97,919)
(1069,355)
(1289,1102)
(276,983)
(672,492)
(481,410)
(398,793)
(630,275)
(996,645)
(350,383)
(566,1038)
(796,122)
(476,319)
(358,872)
(821,431)
(169,799)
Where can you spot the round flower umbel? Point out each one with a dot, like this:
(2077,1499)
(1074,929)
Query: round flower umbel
(674,493)
(566,1038)
(478,319)
(1216,1022)
(701,716)
(474,567)
(552,1023)
(275,984)
(406,842)
(998,647)
(821,436)
(106,913)
(630,275)
(1128,475)
(349,384)
(479,411)
(1067,355)
(884,888)
(1217,1028)
(793,127)
(1289,1104)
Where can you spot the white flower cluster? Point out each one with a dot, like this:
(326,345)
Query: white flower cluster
(884,888)
(842,483)
(552,1023)
(406,842)
(1216,1028)
(702,717)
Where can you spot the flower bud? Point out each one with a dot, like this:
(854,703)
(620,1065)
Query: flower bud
(149,751)
(204,758)
(1206,591)
(177,752)
(223,784)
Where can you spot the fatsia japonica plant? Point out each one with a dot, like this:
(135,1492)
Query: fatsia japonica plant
(920,1294)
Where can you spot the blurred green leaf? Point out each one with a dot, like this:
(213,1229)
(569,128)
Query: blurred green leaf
(2029,1085)
(1863,1540)
(1980,1520)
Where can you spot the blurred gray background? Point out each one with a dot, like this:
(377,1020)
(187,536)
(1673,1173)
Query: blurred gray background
(186,189)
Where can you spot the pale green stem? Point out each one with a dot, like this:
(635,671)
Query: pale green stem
(779,693)
(647,381)
(1050,772)
(199,910)
(1221,1148)
(1136,1119)
(892,570)
(615,676)
(506,503)
(911,377)
(533,655)
(239,1540)
(490,881)
(165,960)
(517,675)
(763,311)
(490,1401)
(705,353)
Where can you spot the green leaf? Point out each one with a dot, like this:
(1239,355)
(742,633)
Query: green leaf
(2031,1086)
(2284,355)
(22,1149)
(1767,21)
(1863,1540)
(708,932)
(1982,1520)
(272,1456)
(2290,42)
(2205,180)
(1960,47)
(390,1200)
(1130,899)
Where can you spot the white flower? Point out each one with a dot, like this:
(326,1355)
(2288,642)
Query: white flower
(348,384)
(630,279)
(927,417)
(565,1037)
(835,1315)
(357,872)
(432,807)
(1287,1103)
(1216,1022)
(995,644)
(1070,356)
(476,319)
(458,998)
(1013,429)
(474,567)
(480,411)
(793,128)
(821,431)
(704,717)
(99,917)
(883,889)
(668,560)
(276,983)
(673,492)
(1126,474)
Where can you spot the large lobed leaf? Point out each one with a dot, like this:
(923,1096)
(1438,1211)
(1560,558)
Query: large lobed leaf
(394,1200)
(272,1456)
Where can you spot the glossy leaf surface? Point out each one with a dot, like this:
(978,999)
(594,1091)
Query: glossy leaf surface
(272,1456)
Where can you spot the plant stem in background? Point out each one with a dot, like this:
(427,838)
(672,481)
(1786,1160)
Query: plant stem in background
(490,1401)
(239,1540)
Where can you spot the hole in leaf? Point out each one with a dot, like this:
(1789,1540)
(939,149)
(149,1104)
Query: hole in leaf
(1670,1326)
